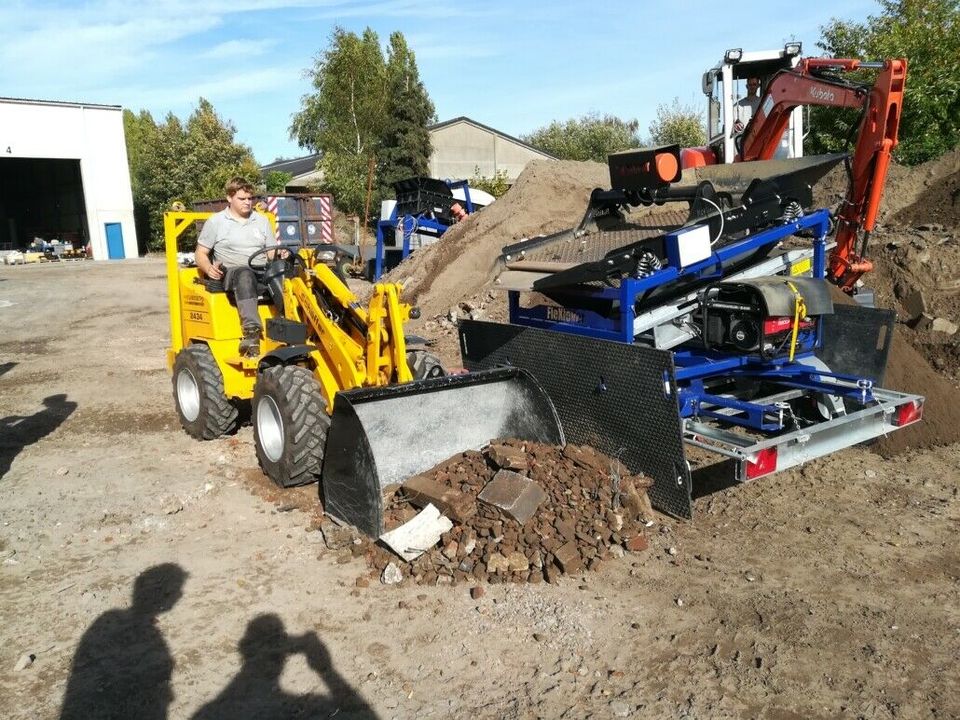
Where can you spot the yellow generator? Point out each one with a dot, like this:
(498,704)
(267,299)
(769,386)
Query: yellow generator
(335,390)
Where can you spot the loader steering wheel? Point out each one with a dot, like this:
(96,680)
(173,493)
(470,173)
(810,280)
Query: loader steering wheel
(266,272)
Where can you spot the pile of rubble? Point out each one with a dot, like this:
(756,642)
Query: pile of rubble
(518,512)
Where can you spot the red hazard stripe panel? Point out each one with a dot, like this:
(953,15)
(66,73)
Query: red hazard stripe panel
(326,219)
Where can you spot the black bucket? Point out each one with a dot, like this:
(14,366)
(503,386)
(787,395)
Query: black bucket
(379,437)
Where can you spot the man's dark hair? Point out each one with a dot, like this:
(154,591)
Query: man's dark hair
(238,183)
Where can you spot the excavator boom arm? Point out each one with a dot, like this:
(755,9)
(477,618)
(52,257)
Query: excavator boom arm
(877,137)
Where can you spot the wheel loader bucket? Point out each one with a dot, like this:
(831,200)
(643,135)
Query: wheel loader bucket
(379,437)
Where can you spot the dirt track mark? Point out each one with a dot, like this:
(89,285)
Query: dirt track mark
(15,379)
(35,346)
(89,421)
(304,498)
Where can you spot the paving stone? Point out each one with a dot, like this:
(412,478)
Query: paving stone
(516,495)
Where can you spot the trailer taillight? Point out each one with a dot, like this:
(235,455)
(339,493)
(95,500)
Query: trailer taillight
(763,464)
(774,325)
(908,413)
(780,323)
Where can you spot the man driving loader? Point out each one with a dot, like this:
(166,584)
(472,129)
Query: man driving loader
(226,242)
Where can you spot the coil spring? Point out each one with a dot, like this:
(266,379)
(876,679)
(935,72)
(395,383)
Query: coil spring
(647,264)
(793,211)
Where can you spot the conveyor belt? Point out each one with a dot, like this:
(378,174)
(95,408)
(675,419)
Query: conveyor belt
(566,250)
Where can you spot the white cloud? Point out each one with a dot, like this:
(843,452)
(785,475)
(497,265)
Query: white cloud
(226,86)
(239,50)
(62,48)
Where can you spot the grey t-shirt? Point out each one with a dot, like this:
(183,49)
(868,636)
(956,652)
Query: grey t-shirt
(232,240)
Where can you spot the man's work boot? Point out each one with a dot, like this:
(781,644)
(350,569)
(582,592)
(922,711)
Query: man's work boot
(250,345)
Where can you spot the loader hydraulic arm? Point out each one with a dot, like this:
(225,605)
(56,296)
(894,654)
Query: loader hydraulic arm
(812,82)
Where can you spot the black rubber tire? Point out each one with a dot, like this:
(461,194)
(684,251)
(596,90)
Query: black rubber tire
(424,365)
(204,410)
(290,425)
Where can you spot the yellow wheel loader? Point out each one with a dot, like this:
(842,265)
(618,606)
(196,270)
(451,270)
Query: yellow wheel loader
(337,391)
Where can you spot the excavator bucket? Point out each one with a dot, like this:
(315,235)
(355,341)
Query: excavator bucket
(379,437)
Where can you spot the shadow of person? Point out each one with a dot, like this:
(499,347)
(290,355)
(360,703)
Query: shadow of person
(122,666)
(255,692)
(19,431)
(7,367)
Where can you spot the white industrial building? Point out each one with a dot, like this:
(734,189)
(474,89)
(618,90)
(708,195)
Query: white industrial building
(64,177)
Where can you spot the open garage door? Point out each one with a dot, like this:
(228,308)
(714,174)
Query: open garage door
(41,198)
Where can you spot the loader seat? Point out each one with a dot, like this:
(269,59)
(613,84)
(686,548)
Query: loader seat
(216,286)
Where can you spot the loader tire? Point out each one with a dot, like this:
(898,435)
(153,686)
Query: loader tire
(205,411)
(424,365)
(290,425)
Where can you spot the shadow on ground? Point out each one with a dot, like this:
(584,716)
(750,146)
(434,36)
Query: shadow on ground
(714,478)
(255,692)
(20,431)
(122,667)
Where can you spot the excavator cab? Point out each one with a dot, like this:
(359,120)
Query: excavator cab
(724,87)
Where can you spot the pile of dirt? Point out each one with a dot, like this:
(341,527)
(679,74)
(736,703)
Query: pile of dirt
(909,371)
(590,509)
(547,197)
(936,185)
(927,193)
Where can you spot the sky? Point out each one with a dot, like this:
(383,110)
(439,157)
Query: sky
(513,65)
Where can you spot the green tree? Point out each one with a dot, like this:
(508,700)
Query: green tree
(140,132)
(276,181)
(405,145)
(590,137)
(343,119)
(496,186)
(678,123)
(927,33)
(213,155)
(176,161)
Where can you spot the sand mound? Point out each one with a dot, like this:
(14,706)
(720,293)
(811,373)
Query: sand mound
(937,188)
(548,196)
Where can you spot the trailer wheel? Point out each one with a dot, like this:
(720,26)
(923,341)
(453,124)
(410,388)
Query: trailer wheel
(205,411)
(341,267)
(289,425)
(424,365)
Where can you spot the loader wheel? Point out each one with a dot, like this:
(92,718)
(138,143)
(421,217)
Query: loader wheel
(204,410)
(289,425)
(424,365)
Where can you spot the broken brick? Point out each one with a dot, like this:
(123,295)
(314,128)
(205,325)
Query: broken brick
(507,457)
(568,559)
(638,543)
(423,490)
